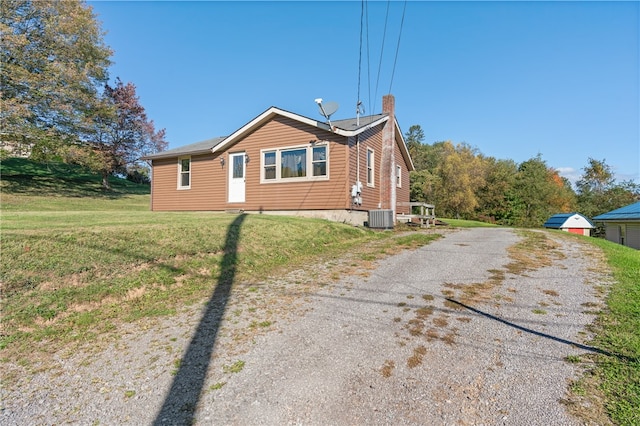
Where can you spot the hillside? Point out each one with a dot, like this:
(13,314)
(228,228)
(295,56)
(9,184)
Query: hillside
(30,186)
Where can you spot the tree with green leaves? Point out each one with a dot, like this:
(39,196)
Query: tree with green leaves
(539,192)
(54,61)
(598,191)
(414,139)
(597,177)
(494,197)
(460,174)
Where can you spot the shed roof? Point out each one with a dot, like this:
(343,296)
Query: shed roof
(568,220)
(630,212)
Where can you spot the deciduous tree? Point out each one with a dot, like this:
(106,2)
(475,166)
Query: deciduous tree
(539,192)
(122,132)
(54,60)
(461,174)
(494,197)
(598,191)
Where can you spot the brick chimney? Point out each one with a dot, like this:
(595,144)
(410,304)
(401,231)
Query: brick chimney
(388,161)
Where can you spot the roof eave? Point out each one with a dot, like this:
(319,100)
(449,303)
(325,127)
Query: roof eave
(162,155)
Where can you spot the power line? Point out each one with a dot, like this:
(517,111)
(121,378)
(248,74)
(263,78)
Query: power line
(384,36)
(360,56)
(398,47)
(366,6)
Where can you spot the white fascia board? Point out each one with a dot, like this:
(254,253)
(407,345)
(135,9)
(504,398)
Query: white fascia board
(265,116)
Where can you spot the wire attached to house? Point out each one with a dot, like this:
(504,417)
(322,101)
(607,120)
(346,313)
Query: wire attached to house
(364,27)
(360,55)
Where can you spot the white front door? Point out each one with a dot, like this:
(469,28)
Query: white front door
(236,177)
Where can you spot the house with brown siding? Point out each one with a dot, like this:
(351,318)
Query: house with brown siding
(284,163)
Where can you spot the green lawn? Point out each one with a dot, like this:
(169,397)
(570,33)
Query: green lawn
(462,223)
(618,332)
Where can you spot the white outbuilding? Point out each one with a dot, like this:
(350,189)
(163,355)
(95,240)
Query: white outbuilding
(570,222)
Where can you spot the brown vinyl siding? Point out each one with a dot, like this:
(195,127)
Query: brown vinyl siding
(209,179)
(372,139)
(403,192)
(207,191)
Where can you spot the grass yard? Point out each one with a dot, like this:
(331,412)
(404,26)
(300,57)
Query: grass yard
(73,275)
(78,261)
(618,332)
(462,223)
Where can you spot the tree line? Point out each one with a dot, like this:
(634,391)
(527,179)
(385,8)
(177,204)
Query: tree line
(463,183)
(55,93)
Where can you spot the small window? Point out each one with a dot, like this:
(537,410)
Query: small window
(370,167)
(399,176)
(270,165)
(184,173)
(319,161)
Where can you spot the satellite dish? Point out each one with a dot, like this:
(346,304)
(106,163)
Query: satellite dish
(328,108)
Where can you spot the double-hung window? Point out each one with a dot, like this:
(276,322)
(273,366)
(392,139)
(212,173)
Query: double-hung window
(184,173)
(398,176)
(319,160)
(269,166)
(297,163)
(370,167)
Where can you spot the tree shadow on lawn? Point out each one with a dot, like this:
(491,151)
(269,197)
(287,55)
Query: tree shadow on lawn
(182,399)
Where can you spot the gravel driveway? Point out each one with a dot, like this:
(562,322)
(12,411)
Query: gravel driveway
(447,334)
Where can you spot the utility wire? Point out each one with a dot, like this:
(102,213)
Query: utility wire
(366,4)
(360,56)
(398,47)
(384,34)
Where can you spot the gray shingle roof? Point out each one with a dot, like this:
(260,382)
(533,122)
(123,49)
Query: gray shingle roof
(201,147)
(350,123)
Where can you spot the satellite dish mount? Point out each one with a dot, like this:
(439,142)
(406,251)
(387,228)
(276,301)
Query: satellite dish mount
(327,109)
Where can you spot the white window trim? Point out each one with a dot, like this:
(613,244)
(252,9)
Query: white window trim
(180,186)
(371,166)
(398,176)
(278,165)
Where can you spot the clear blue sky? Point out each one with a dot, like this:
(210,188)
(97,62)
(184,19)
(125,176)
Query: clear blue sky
(513,79)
